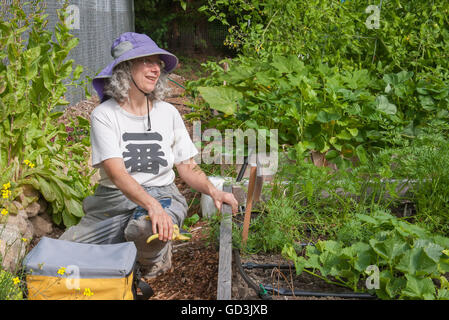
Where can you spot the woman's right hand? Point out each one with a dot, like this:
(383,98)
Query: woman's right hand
(161,222)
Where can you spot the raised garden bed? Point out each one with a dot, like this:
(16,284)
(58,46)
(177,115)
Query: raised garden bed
(271,276)
(266,276)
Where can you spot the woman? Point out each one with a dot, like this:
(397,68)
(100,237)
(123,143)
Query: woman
(136,139)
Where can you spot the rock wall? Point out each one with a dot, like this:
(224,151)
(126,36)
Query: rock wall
(17,230)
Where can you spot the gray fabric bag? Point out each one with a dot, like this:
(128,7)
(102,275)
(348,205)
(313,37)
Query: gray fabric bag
(59,269)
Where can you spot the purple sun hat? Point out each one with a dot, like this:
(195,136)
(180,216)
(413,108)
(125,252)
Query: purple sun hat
(130,46)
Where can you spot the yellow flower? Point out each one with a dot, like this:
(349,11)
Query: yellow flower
(6,194)
(4,212)
(24,239)
(88,293)
(16,280)
(61,271)
(28,163)
(7,186)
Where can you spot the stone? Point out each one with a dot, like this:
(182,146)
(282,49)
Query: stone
(33,209)
(20,220)
(29,191)
(41,226)
(43,205)
(18,205)
(12,247)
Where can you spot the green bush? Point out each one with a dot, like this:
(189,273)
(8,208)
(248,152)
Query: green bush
(9,286)
(34,148)
(326,81)
(411,35)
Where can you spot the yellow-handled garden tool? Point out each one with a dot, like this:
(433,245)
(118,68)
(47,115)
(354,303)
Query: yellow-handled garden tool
(176,235)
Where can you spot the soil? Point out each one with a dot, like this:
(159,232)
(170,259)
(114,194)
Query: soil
(194,271)
(279,278)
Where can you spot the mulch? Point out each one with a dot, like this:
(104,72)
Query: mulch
(194,270)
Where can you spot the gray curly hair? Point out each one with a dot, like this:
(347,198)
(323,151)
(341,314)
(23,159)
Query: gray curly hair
(117,86)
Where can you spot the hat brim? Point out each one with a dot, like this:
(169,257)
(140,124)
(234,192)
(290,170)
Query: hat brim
(170,61)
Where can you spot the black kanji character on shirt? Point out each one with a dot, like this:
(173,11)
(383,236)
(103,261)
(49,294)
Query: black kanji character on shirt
(144,157)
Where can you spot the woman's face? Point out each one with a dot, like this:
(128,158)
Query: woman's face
(146,71)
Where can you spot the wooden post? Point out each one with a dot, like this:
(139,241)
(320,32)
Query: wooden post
(258,188)
(224,282)
(249,204)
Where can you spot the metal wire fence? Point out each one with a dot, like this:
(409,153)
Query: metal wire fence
(96,23)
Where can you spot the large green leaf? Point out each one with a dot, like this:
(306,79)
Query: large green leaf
(69,219)
(384,106)
(46,190)
(390,248)
(325,117)
(364,256)
(417,262)
(419,288)
(223,99)
(73,207)
(287,64)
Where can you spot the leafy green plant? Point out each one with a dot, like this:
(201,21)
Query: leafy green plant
(9,286)
(409,260)
(34,76)
(326,80)
(190,221)
(410,35)
(277,223)
(337,112)
(422,166)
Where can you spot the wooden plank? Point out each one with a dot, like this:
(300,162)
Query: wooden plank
(225,253)
(239,194)
(249,204)
(258,188)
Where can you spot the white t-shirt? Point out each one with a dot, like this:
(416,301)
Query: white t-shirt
(148,155)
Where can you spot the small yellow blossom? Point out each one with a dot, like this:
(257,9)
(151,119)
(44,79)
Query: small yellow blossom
(7,186)
(88,293)
(28,163)
(4,212)
(6,194)
(24,239)
(61,271)
(16,280)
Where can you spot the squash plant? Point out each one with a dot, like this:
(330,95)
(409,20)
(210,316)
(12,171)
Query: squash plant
(412,262)
(358,88)
(34,76)
(314,107)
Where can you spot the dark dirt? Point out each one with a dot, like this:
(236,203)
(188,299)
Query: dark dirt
(279,278)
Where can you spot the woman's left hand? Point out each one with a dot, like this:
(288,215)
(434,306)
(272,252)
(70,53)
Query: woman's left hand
(221,197)
(191,173)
